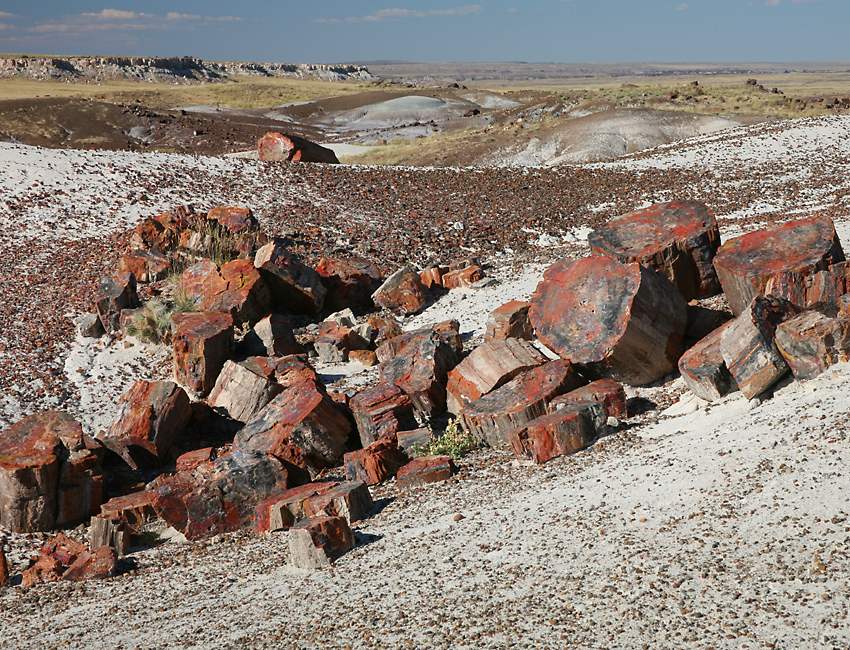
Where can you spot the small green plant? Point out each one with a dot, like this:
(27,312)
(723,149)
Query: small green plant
(218,244)
(454,442)
(153,323)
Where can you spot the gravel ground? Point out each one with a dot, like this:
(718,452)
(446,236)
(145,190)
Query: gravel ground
(699,527)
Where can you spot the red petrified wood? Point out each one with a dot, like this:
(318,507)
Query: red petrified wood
(63,558)
(47,476)
(748,345)
(812,342)
(609,394)
(560,433)
(787,255)
(279,147)
(234,219)
(489,366)
(244,388)
(424,470)
(350,282)
(509,321)
(282,511)
(376,463)
(317,542)
(381,411)
(704,370)
(493,417)
(618,320)
(202,342)
(678,239)
(295,287)
(152,415)
(114,294)
(4,569)
(220,496)
(350,500)
(402,292)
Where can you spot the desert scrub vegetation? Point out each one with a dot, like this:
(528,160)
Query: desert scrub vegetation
(152,324)
(454,442)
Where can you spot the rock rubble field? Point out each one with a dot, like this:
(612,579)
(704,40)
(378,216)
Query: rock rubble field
(268,403)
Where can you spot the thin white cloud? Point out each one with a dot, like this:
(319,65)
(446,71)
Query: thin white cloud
(6,14)
(683,6)
(121,20)
(396,13)
(114,14)
(176,16)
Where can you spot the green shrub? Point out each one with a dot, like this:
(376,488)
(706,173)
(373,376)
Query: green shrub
(454,442)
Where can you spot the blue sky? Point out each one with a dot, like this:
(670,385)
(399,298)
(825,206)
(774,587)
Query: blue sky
(441,30)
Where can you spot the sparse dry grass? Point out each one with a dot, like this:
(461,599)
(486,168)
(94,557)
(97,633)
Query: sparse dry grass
(241,93)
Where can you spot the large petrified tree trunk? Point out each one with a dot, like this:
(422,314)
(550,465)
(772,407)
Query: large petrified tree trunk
(812,342)
(678,239)
(786,256)
(618,320)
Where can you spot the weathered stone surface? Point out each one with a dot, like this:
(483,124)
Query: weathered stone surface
(560,433)
(424,470)
(4,569)
(282,511)
(109,532)
(47,477)
(234,219)
(114,294)
(89,326)
(702,321)
(158,234)
(617,320)
(820,290)
(317,542)
(132,510)
(236,288)
(419,362)
(704,370)
(493,417)
(487,367)
(202,343)
(381,411)
(334,342)
(243,389)
(280,147)
(384,329)
(402,292)
(146,266)
(63,558)
(295,287)
(461,278)
(220,496)
(152,415)
(433,276)
(509,321)
(271,336)
(302,427)
(376,463)
(609,394)
(844,305)
(350,283)
(350,500)
(408,441)
(189,460)
(678,239)
(787,255)
(748,345)
(812,342)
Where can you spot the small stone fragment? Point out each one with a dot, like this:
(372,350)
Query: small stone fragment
(350,500)
(509,321)
(202,343)
(704,370)
(560,433)
(316,543)
(280,147)
(244,388)
(282,511)
(366,358)
(420,438)
(376,463)
(271,336)
(89,326)
(609,394)
(295,288)
(350,283)
(424,470)
(462,278)
(812,342)
(114,294)
(402,292)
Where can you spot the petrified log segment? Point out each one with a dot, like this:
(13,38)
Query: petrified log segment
(376,463)
(109,532)
(704,370)
(152,415)
(295,288)
(381,411)
(302,427)
(509,321)
(787,255)
(220,496)
(415,438)
(146,266)
(280,147)
(489,366)
(560,433)
(47,476)
(202,343)
(234,219)
(189,460)
(271,336)
(812,342)
(350,282)
(678,239)
(424,470)
(609,394)
(822,290)
(402,292)
(242,293)
(419,363)
(618,320)
(317,542)
(461,278)
(4,569)
(350,500)
(282,511)
(63,558)
(242,389)
(114,294)
(492,418)
(748,345)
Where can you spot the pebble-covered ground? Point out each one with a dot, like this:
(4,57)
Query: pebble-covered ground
(723,527)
